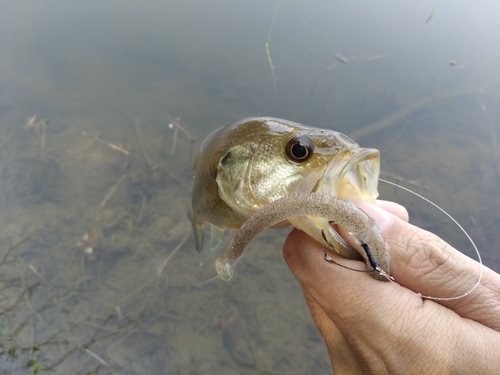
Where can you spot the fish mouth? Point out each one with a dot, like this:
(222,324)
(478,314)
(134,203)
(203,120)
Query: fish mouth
(352,175)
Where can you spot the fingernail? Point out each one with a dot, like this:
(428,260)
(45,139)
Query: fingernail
(381,217)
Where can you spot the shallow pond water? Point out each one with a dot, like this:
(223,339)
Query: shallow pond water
(98,268)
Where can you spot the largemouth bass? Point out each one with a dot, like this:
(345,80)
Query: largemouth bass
(244,166)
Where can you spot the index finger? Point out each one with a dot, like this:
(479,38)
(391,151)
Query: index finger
(426,264)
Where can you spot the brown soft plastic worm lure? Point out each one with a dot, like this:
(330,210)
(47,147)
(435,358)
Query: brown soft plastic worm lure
(339,211)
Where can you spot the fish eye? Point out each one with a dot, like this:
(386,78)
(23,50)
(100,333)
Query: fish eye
(299,149)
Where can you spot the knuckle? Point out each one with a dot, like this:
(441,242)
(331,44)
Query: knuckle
(427,253)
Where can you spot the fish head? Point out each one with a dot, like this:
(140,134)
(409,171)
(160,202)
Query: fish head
(244,166)
(279,157)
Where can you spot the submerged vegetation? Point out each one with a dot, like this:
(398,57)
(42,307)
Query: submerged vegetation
(98,268)
(69,294)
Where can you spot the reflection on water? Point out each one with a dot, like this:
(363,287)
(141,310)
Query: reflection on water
(98,270)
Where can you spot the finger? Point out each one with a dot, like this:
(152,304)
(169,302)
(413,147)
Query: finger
(342,357)
(339,286)
(392,207)
(380,322)
(369,314)
(424,263)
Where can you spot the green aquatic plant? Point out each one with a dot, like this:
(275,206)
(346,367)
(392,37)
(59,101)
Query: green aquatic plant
(35,364)
(12,349)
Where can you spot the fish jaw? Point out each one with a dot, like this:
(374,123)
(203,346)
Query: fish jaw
(352,175)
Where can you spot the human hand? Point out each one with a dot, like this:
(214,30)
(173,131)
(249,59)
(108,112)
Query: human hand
(373,327)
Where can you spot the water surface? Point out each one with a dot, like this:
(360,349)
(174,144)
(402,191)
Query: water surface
(98,270)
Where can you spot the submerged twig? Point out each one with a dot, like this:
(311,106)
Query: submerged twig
(28,290)
(375,57)
(167,259)
(14,246)
(111,192)
(31,123)
(175,124)
(174,140)
(46,305)
(138,131)
(111,145)
(92,354)
(84,346)
(54,299)
(27,300)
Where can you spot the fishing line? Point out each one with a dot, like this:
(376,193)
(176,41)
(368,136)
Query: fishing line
(369,255)
(463,231)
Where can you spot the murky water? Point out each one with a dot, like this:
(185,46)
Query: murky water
(98,270)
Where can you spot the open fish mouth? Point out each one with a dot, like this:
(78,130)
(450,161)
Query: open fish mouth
(352,175)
